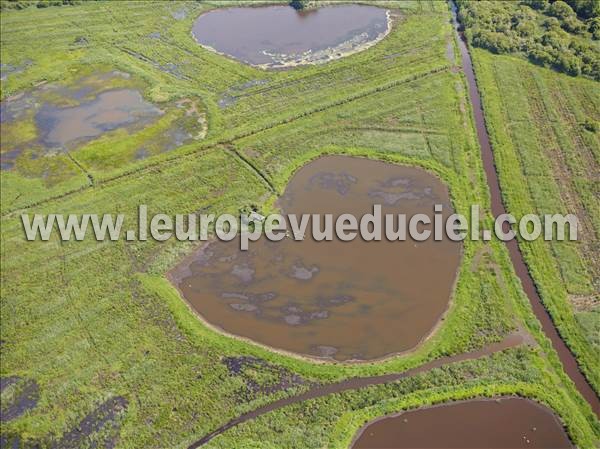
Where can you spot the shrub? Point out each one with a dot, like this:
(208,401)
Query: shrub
(540,57)
(569,64)
(594,27)
(547,33)
(536,4)
(298,4)
(591,125)
(586,9)
(560,10)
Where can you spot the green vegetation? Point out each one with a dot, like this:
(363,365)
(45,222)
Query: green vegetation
(299,4)
(22,4)
(547,162)
(90,321)
(332,421)
(551,34)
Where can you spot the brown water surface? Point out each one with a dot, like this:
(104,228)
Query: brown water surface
(109,110)
(507,423)
(342,300)
(277,36)
(65,117)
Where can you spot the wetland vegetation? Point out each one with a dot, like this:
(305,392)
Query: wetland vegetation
(99,348)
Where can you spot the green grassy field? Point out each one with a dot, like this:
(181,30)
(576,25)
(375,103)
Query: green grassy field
(548,163)
(91,321)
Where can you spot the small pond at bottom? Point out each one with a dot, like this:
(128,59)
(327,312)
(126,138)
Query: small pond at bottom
(507,423)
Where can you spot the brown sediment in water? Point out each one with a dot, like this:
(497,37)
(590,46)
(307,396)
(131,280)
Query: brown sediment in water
(512,340)
(339,300)
(567,358)
(109,110)
(279,36)
(67,117)
(500,423)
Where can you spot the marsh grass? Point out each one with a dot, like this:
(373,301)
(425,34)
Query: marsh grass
(90,320)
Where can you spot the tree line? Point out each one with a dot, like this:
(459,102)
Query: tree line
(564,35)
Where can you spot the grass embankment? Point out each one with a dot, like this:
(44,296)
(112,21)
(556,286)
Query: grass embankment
(547,162)
(88,321)
(155,46)
(333,421)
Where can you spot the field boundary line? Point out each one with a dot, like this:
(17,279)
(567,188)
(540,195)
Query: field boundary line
(229,141)
(230,149)
(89,176)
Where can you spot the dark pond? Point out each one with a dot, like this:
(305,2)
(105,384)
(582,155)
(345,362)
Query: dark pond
(343,300)
(279,36)
(109,110)
(509,423)
(57,118)
(65,116)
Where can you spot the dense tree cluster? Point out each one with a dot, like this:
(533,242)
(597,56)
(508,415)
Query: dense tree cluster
(298,4)
(564,35)
(22,4)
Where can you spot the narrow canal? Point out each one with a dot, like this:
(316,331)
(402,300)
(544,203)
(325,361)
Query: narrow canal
(356,383)
(567,358)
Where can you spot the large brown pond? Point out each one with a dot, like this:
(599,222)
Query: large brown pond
(342,300)
(279,36)
(509,423)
